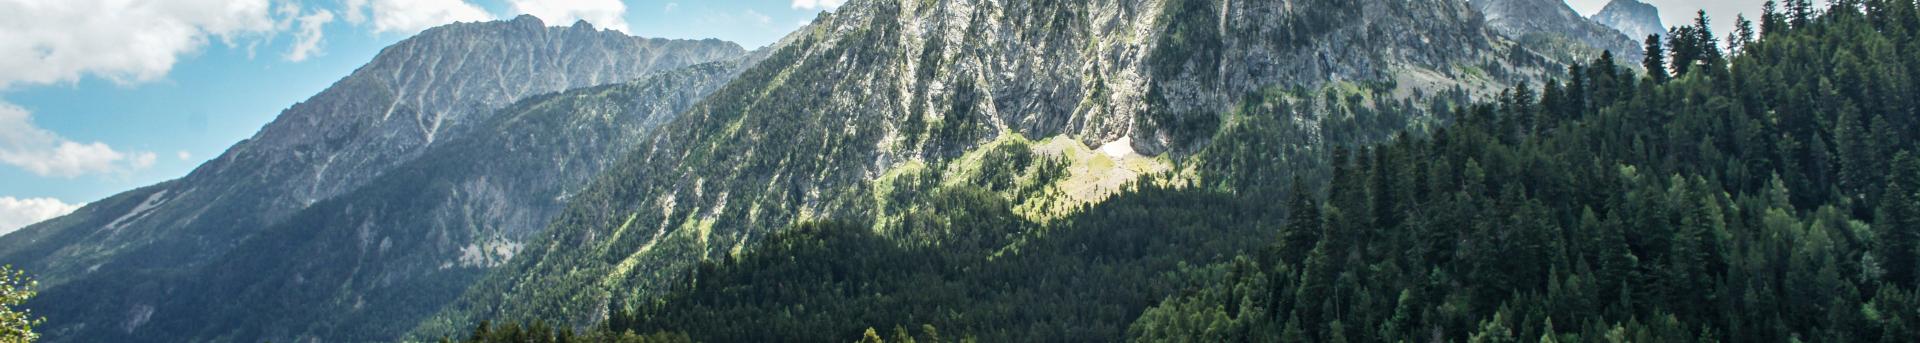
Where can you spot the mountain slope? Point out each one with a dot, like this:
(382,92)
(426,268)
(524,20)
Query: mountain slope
(880,91)
(366,264)
(1635,19)
(1553,28)
(110,263)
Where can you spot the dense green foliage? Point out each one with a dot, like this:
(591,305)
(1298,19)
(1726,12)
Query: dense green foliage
(1670,209)
(15,289)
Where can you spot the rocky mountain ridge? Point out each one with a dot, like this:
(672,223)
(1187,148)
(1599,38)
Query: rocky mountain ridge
(1552,27)
(1635,19)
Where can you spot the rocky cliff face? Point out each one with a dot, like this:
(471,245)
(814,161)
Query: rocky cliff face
(1553,28)
(885,85)
(107,267)
(1633,18)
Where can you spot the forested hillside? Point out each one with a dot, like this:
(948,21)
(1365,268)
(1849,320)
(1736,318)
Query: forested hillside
(1763,187)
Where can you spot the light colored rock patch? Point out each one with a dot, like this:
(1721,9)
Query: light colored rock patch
(486,254)
(153,201)
(1093,175)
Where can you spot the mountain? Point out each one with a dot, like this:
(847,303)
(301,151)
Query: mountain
(117,263)
(1749,198)
(1633,18)
(1553,28)
(884,103)
(361,265)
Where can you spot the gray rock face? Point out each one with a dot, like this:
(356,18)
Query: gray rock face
(1552,24)
(1633,18)
(418,94)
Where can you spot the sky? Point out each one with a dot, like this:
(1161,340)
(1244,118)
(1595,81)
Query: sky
(103,96)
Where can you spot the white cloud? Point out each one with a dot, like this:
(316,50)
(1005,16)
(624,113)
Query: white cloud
(817,4)
(609,14)
(44,153)
(672,5)
(306,41)
(183,155)
(410,16)
(55,41)
(757,17)
(18,213)
(354,11)
(139,160)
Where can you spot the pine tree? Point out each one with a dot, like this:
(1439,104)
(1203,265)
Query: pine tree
(1771,21)
(1742,34)
(1656,60)
(1303,225)
(1800,12)
(1897,220)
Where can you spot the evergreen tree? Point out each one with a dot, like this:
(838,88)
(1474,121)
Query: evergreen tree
(1656,60)
(1897,220)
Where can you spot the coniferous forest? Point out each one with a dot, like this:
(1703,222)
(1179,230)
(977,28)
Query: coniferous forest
(1761,185)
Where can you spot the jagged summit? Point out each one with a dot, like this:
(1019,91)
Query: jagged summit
(1554,27)
(1633,18)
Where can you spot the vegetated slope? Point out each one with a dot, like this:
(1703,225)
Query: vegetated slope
(887,93)
(1767,199)
(106,265)
(1603,207)
(1635,19)
(1554,29)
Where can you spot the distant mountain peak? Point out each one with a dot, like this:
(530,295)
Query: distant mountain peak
(1633,18)
(527,18)
(1546,24)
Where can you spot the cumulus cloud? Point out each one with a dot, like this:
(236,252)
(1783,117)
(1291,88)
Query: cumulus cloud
(306,41)
(183,155)
(609,14)
(55,41)
(44,153)
(757,17)
(410,16)
(817,4)
(18,213)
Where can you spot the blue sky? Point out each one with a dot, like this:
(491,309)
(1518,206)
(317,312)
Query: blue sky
(102,96)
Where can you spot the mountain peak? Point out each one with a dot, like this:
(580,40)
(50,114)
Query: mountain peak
(1553,21)
(1633,18)
(581,25)
(527,18)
